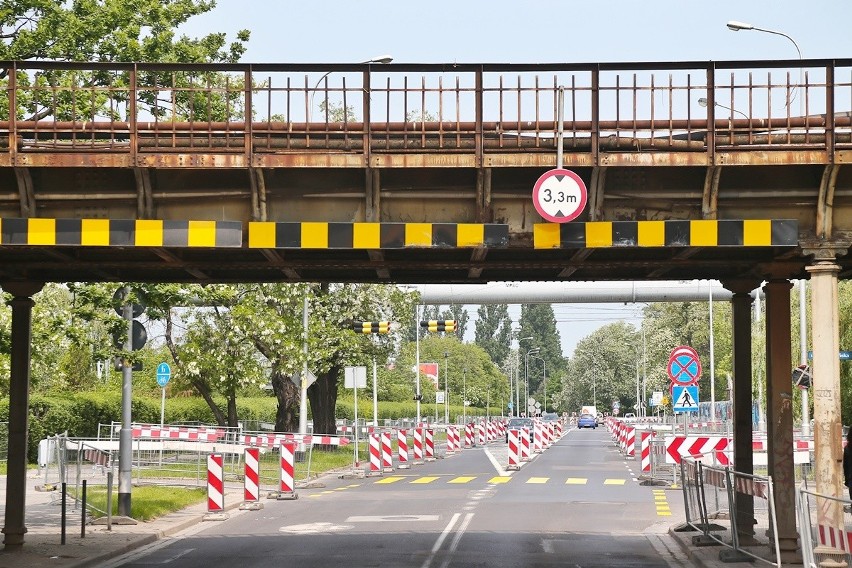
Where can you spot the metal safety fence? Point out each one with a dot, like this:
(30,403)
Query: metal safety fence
(824,528)
(732,509)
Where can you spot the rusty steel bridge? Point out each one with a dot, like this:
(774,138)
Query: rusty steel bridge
(429,152)
(737,171)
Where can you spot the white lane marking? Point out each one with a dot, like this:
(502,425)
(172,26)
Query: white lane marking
(428,562)
(390,518)
(167,560)
(454,545)
(314,528)
(497,466)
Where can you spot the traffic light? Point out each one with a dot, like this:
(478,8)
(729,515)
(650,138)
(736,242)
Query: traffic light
(433,326)
(802,376)
(366,327)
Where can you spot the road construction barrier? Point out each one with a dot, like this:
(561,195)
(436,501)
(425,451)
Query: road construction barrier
(525,444)
(468,435)
(402,449)
(387,456)
(514,461)
(452,439)
(287,487)
(418,445)
(215,484)
(823,522)
(645,451)
(538,438)
(251,481)
(429,444)
(375,454)
(548,436)
(630,441)
(480,433)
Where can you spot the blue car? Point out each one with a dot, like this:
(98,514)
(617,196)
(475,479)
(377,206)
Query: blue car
(587,421)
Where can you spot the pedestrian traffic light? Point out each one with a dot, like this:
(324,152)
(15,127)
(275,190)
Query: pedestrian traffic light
(366,327)
(433,326)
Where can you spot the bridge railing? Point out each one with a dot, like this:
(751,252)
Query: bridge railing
(471,108)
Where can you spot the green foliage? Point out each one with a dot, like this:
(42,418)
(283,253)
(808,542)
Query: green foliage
(494,331)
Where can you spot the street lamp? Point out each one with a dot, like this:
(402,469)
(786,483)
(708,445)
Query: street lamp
(383,59)
(736,26)
(803,333)
(703,102)
(517,377)
(544,381)
(526,371)
(446,387)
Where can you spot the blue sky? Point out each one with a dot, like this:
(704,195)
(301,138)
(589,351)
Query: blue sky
(473,31)
(479,31)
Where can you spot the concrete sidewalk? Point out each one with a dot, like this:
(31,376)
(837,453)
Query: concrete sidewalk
(43,549)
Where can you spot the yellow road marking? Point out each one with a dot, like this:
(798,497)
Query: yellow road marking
(614,481)
(462,479)
(576,481)
(500,479)
(538,480)
(426,479)
(391,479)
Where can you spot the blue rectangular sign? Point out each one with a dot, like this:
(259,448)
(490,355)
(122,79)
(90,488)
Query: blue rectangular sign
(685,398)
(844,355)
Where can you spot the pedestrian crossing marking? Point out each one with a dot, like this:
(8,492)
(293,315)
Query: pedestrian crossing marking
(661,503)
(463,479)
(427,479)
(538,480)
(576,481)
(614,481)
(500,479)
(391,479)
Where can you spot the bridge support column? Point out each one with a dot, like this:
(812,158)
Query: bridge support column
(779,407)
(741,304)
(19,402)
(825,373)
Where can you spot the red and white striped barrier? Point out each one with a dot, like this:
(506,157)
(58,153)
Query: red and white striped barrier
(375,454)
(402,449)
(630,441)
(287,487)
(452,439)
(538,438)
(514,461)
(547,435)
(680,446)
(418,446)
(97,457)
(176,433)
(525,444)
(275,440)
(215,485)
(480,434)
(468,435)
(251,481)
(645,451)
(429,444)
(835,537)
(387,455)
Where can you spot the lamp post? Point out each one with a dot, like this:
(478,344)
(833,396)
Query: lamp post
(464,397)
(517,377)
(383,59)
(703,102)
(526,372)
(446,387)
(544,380)
(735,26)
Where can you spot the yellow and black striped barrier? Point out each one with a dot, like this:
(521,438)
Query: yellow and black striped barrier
(376,235)
(120,233)
(320,235)
(696,233)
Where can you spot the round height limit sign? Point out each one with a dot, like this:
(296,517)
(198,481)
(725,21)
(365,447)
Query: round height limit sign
(559,195)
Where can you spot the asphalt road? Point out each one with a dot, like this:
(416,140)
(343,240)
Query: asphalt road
(578,504)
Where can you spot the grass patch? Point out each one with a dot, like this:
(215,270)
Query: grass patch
(148,501)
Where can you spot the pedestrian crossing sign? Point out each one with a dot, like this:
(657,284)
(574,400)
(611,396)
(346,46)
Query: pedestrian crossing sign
(685,398)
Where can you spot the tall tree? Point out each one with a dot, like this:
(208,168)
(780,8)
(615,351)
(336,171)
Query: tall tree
(538,323)
(493,331)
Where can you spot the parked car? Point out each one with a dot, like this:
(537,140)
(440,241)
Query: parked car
(587,421)
(518,424)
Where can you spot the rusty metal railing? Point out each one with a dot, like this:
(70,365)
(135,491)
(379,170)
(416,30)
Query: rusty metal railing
(52,107)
